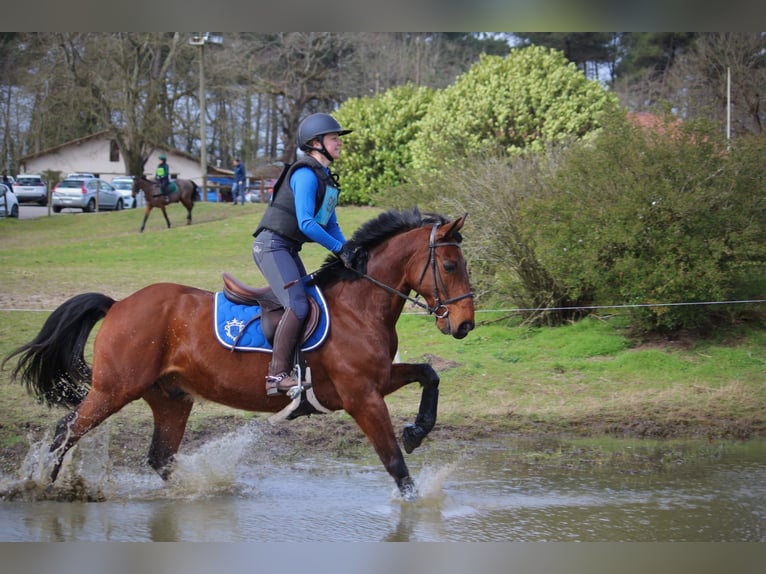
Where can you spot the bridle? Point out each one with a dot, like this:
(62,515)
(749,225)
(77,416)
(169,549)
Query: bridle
(440,309)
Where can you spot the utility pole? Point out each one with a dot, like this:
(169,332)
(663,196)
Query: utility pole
(200,39)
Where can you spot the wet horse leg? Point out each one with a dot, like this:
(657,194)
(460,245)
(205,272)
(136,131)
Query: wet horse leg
(95,409)
(405,373)
(373,418)
(170,416)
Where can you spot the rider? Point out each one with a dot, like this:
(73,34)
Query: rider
(302,209)
(162,174)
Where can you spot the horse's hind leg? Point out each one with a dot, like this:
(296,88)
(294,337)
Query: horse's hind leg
(188,213)
(95,409)
(171,412)
(405,373)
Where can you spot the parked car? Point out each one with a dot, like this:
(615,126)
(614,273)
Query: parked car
(30,188)
(9,204)
(80,193)
(260,191)
(124,184)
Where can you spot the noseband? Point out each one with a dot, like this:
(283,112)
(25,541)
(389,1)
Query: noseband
(440,308)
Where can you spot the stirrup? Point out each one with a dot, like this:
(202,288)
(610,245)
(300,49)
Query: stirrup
(279,384)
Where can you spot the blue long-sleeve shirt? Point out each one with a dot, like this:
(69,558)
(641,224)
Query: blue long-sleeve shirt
(304,184)
(239,172)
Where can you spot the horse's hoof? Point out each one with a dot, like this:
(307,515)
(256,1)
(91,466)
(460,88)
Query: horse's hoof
(412,437)
(408,490)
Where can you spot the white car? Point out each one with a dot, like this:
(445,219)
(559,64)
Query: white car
(9,204)
(124,184)
(31,188)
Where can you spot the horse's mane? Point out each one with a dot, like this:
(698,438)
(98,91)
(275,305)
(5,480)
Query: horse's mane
(372,234)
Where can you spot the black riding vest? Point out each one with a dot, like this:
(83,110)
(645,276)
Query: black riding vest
(280,216)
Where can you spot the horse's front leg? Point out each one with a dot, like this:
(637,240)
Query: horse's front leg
(423,373)
(165,214)
(146,216)
(371,414)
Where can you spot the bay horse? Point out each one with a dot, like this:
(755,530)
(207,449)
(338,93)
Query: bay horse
(186,192)
(158,345)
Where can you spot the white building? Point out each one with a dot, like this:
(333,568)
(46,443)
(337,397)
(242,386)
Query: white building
(99,153)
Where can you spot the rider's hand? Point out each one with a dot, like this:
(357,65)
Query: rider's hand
(347,255)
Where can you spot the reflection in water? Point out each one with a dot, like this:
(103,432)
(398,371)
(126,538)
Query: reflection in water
(637,491)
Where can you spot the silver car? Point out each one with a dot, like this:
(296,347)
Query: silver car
(31,188)
(88,194)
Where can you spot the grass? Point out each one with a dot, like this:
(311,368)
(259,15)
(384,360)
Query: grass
(584,379)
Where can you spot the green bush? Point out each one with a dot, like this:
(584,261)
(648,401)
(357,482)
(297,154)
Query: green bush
(527,100)
(376,153)
(628,217)
(662,216)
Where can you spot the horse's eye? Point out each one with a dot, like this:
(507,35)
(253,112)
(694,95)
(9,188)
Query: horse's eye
(449,266)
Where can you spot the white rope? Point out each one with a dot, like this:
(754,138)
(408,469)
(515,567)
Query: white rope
(623,306)
(522,310)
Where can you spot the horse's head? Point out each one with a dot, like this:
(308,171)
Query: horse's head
(442,278)
(136,186)
(405,251)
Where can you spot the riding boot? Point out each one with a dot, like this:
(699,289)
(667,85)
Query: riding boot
(280,379)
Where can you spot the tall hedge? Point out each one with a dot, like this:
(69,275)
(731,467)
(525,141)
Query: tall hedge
(526,100)
(376,153)
(671,215)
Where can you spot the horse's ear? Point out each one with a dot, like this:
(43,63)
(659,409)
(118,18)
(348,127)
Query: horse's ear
(452,228)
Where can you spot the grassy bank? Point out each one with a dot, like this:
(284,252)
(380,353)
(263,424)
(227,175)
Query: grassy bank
(585,379)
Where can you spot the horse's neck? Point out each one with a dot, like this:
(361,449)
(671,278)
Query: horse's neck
(388,268)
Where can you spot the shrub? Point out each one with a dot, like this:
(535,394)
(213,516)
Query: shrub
(376,153)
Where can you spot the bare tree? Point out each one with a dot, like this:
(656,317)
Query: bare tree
(700,79)
(695,85)
(131,83)
(302,71)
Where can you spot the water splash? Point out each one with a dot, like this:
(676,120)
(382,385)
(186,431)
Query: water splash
(212,469)
(83,476)
(87,473)
(431,480)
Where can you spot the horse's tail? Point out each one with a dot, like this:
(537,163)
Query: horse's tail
(195,191)
(52,365)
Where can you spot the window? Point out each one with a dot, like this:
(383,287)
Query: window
(114,151)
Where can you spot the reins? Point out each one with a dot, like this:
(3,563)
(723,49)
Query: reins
(440,309)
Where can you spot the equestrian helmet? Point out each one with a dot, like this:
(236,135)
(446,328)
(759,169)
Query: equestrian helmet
(317,125)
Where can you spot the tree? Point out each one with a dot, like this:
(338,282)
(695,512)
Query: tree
(529,99)
(645,61)
(301,70)
(588,50)
(128,83)
(699,80)
(651,54)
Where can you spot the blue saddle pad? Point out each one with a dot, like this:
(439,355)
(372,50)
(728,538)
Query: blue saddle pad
(231,319)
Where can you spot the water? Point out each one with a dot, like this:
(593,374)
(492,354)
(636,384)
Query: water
(504,490)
